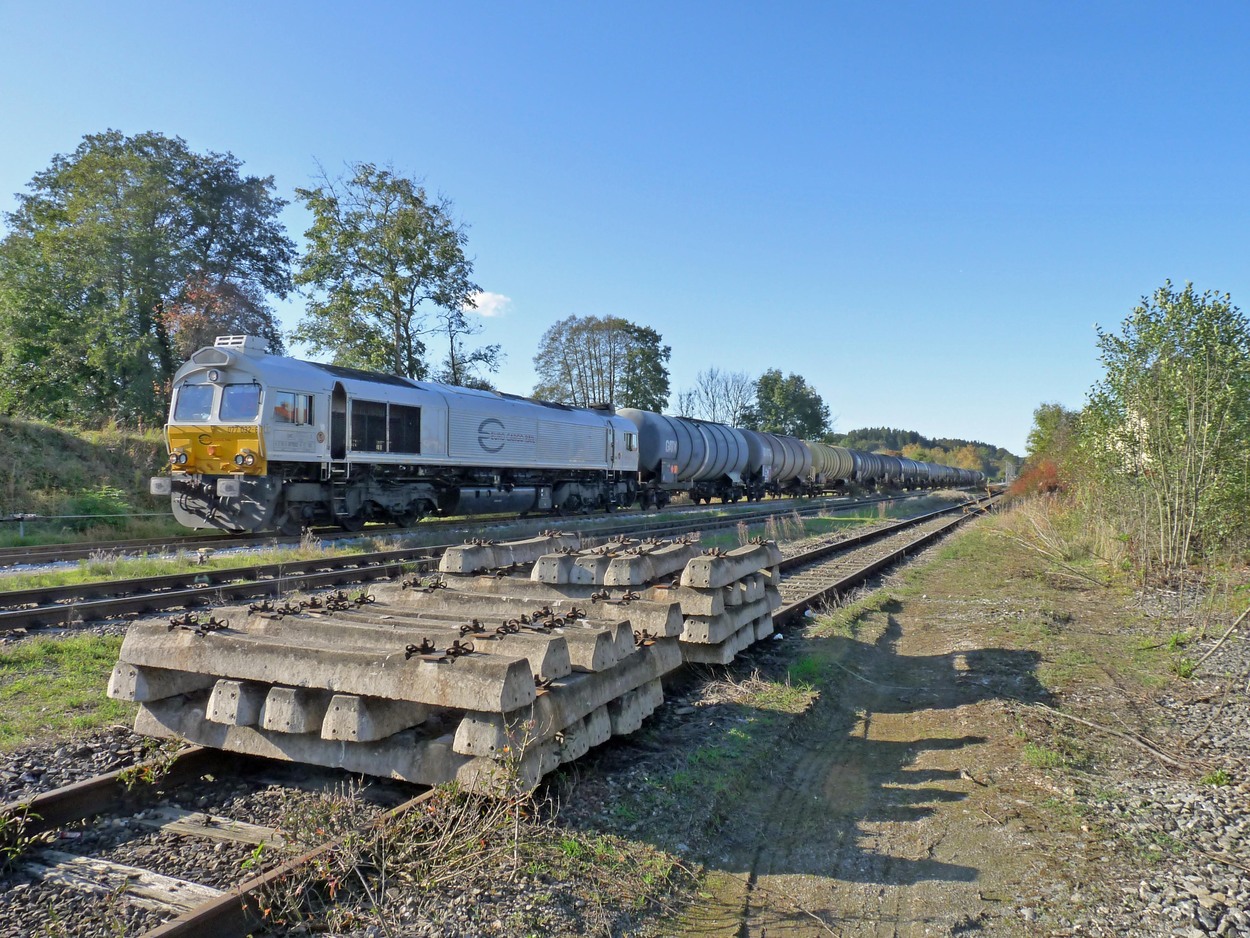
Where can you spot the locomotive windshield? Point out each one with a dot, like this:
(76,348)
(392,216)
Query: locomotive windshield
(195,402)
(240,402)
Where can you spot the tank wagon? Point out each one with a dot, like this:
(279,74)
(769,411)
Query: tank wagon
(262,442)
(783,465)
(703,459)
(259,441)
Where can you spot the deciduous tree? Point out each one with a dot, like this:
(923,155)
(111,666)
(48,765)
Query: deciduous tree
(104,243)
(1168,426)
(1054,431)
(721,396)
(584,360)
(788,405)
(212,307)
(382,255)
(464,366)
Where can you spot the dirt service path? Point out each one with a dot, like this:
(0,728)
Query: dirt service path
(898,803)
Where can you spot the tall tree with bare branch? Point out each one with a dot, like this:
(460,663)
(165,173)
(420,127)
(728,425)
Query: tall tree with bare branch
(585,360)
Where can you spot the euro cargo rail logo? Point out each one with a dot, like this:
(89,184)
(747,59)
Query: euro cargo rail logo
(492,436)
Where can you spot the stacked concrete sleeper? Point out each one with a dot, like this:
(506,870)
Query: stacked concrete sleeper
(346,689)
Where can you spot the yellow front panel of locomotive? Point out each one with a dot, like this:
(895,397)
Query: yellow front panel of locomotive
(211,450)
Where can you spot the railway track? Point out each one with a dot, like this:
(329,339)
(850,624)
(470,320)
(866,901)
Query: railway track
(221,910)
(180,851)
(68,605)
(815,577)
(62,552)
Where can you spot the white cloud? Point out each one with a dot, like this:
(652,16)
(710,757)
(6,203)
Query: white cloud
(490,304)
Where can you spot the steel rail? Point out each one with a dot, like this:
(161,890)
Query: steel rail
(65,551)
(208,578)
(791,612)
(78,801)
(67,605)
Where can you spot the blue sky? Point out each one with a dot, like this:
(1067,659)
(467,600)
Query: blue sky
(923,208)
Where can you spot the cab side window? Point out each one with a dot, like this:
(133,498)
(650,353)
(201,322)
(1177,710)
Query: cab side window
(291,408)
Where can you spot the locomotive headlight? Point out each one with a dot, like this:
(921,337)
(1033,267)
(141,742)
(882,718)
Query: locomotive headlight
(178,458)
(238,460)
(214,375)
(245,458)
(249,460)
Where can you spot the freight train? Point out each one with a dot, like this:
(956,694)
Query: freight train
(262,442)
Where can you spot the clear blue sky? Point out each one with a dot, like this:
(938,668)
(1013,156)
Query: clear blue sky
(923,208)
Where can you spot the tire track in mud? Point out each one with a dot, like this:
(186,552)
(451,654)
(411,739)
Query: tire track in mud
(864,823)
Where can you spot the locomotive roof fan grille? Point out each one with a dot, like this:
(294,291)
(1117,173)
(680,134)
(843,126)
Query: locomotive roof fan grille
(227,348)
(247,344)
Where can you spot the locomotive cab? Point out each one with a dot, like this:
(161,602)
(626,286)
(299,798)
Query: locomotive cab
(218,470)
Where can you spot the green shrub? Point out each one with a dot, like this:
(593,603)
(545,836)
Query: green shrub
(104,506)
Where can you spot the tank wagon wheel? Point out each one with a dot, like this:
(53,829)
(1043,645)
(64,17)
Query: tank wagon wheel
(352,523)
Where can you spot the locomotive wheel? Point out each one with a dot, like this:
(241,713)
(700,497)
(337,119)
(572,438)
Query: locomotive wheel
(412,514)
(290,527)
(352,523)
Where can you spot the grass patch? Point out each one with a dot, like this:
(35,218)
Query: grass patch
(845,621)
(49,470)
(463,840)
(1217,778)
(52,687)
(1041,757)
(1068,667)
(112,566)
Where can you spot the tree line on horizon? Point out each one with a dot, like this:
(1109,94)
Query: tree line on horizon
(128,254)
(949,451)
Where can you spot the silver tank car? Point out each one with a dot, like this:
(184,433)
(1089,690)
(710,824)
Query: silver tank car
(869,467)
(832,466)
(775,464)
(681,454)
(891,469)
(910,472)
